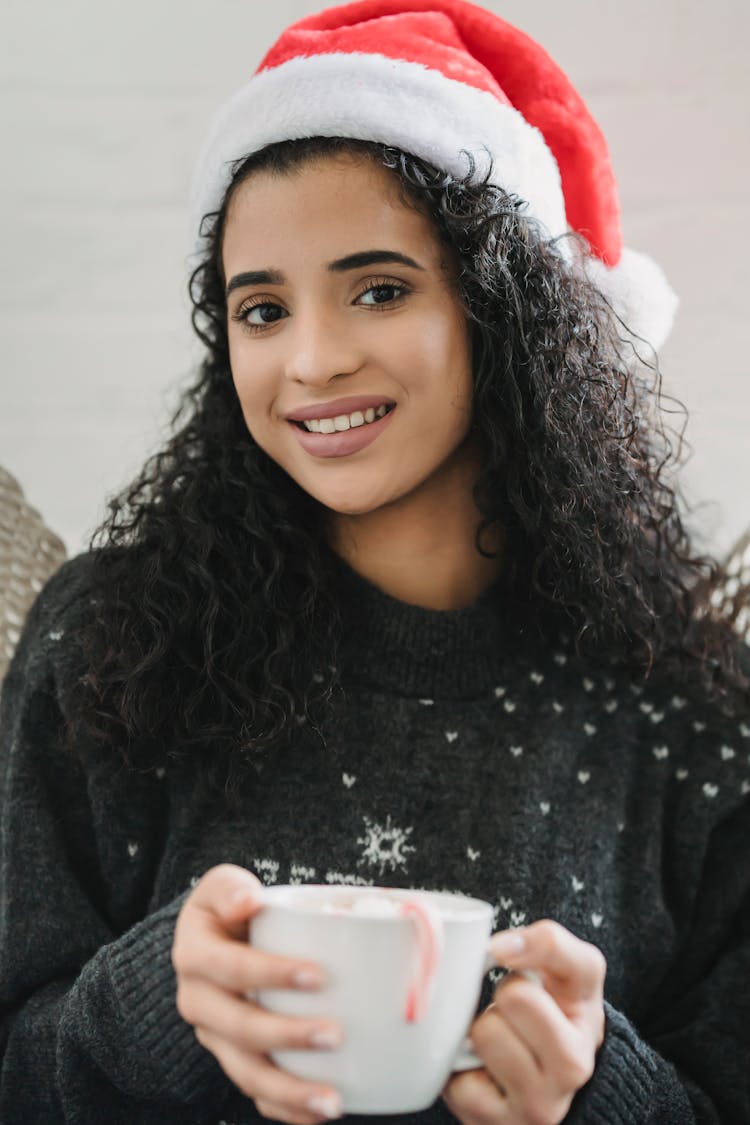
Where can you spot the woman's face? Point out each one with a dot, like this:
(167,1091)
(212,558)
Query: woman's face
(314,319)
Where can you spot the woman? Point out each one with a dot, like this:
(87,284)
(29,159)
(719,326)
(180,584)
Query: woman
(407,599)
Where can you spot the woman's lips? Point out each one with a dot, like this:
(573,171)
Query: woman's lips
(342,443)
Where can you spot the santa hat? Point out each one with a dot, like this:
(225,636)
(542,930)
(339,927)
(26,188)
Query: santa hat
(437,78)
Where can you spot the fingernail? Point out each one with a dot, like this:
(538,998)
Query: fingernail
(508,942)
(326,1037)
(307,978)
(328,1105)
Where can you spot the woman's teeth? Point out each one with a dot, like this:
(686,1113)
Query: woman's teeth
(344,421)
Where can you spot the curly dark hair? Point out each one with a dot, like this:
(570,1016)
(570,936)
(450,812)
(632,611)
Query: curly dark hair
(216,628)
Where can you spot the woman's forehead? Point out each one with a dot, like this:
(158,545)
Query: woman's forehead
(327,207)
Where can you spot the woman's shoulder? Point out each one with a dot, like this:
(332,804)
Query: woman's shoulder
(675,735)
(56,618)
(701,743)
(65,593)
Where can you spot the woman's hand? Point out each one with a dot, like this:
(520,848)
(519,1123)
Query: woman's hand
(215,967)
(538,1045)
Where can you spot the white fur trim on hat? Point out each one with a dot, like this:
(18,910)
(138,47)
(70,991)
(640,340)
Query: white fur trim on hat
(638,290)
(371,97)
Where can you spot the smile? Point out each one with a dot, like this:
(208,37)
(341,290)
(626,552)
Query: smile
(344,434)
(342,422)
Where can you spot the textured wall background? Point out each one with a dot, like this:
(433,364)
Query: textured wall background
(104,108)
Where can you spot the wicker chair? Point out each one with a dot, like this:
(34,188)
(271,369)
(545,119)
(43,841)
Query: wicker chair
(29,554)
(733,598)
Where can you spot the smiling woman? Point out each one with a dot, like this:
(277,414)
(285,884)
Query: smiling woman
(406,599)
(331,336)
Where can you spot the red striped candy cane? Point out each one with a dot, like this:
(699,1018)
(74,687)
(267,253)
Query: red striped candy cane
(428,927)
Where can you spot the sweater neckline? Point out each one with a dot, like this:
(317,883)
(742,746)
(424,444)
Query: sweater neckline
(423,653)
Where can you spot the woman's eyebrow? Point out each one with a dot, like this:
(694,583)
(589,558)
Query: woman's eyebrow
(340,265)
(255,277)
(371,258)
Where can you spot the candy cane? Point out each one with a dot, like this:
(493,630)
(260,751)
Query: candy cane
(428,927)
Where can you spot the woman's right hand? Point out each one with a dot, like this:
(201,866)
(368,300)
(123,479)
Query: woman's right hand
(216,966)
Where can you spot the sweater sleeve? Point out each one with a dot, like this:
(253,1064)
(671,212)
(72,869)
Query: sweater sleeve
(685,1058)
(89,1029)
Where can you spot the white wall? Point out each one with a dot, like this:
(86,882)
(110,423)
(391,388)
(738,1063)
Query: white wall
(103,110)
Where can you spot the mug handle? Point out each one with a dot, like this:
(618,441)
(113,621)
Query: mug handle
(467,1059)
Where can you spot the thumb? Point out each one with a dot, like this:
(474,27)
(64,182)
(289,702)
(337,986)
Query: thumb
(234,896)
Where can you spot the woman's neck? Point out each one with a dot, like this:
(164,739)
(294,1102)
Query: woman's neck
(421,549)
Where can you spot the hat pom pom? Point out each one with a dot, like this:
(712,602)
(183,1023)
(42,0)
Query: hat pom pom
(639,292)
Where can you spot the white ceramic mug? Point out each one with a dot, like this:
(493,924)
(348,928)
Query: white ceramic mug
(403,986)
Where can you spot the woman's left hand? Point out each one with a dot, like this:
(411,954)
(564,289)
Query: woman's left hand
(538,1045)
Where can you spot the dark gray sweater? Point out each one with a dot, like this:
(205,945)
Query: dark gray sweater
(467,756)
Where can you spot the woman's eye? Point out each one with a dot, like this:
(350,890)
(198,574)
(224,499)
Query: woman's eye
(382,294)
(260,315)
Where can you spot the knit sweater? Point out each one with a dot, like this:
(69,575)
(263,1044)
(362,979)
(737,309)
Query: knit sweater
(467,755)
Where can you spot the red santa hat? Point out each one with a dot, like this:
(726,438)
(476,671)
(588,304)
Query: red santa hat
(437,78)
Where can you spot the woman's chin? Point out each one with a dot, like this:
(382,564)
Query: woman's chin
(350,506)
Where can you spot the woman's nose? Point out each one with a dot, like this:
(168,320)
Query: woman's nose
(319,349)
